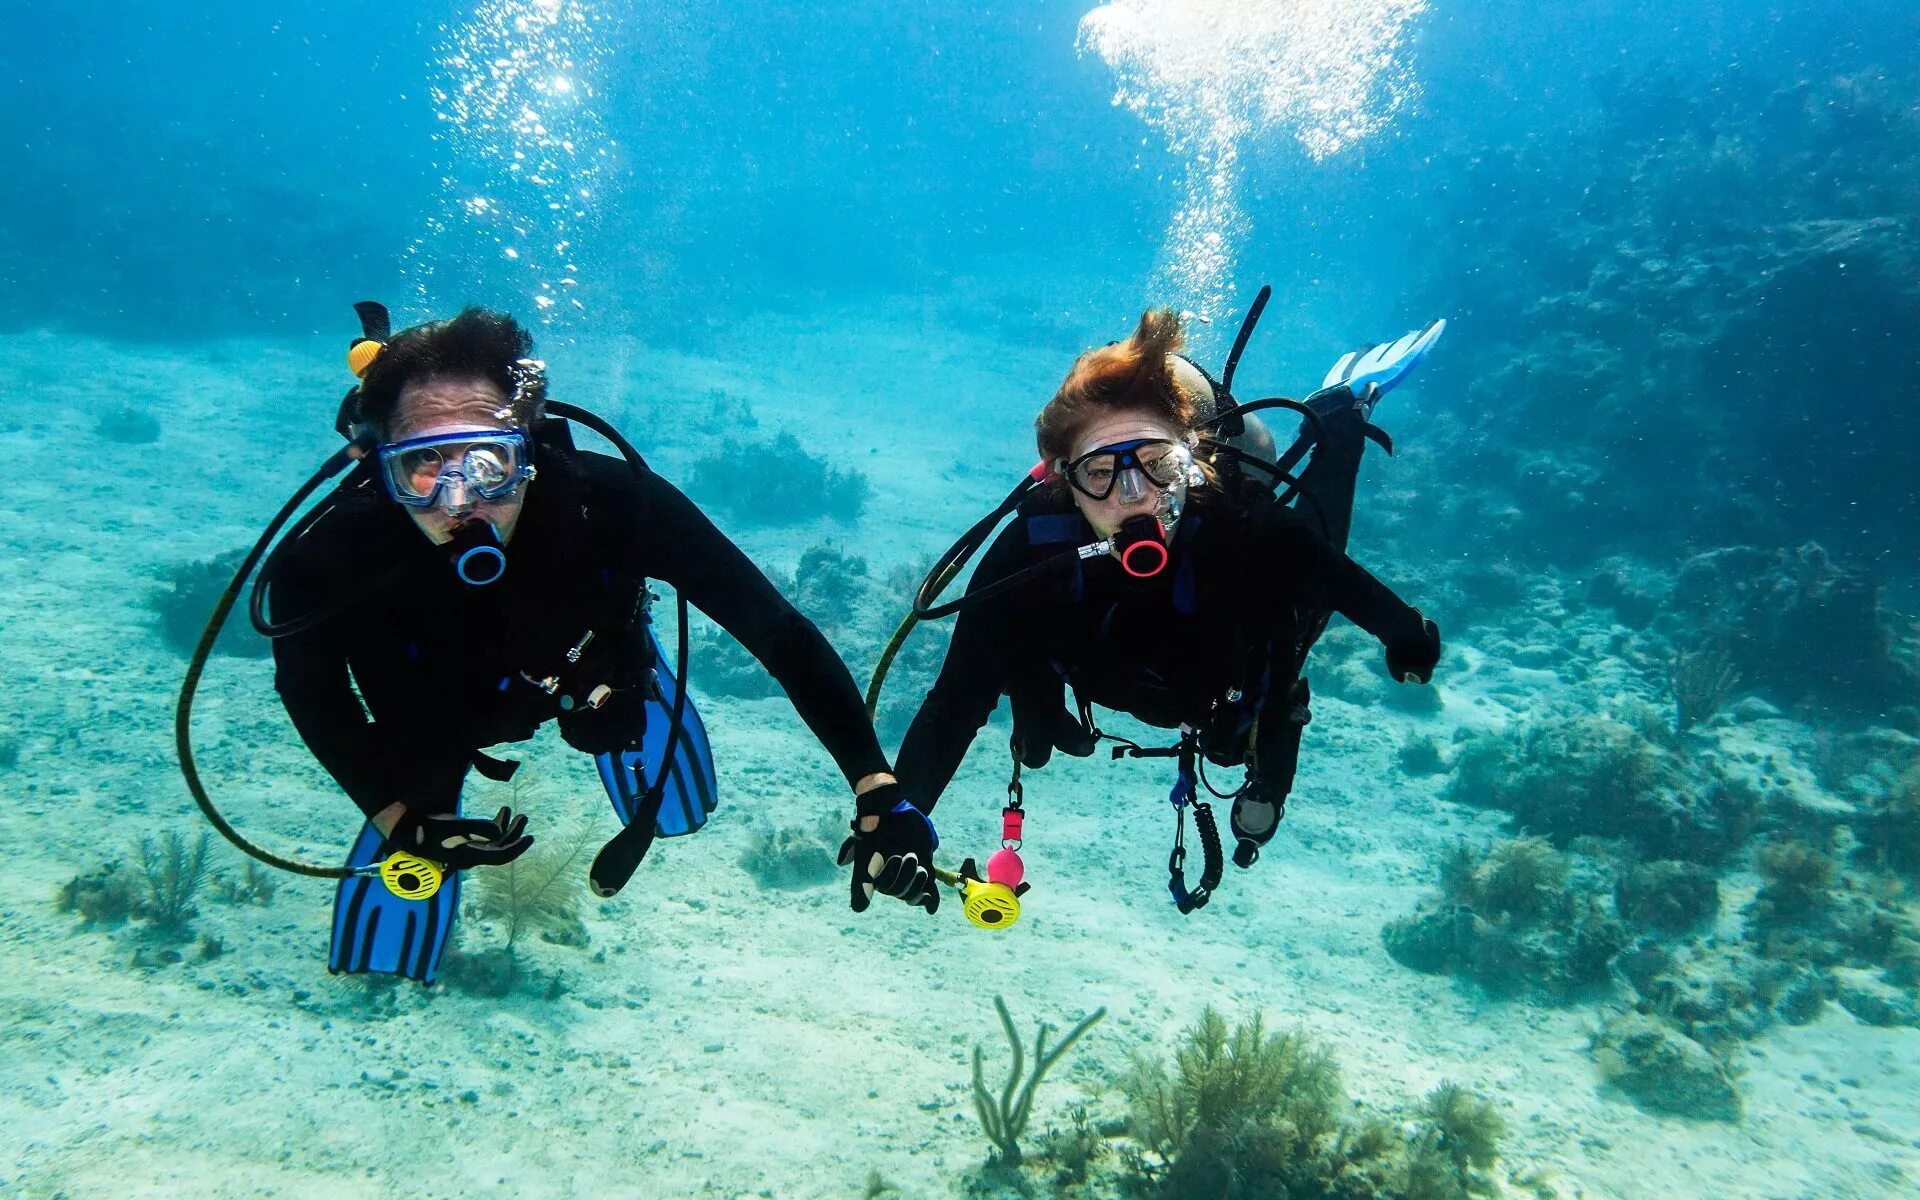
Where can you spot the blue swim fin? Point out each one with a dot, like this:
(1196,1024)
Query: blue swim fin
(691,792)
(375,930)
(1382,367)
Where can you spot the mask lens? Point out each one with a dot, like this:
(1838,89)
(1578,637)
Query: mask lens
(1165,465)
(417,471)
(1095,473)
(487,468)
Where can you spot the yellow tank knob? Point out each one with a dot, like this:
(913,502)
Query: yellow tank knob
(361,356)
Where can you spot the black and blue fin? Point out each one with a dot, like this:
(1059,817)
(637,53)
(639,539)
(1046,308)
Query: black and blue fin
(691,791)
(376,931)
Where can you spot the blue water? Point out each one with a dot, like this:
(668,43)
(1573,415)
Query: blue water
(1668,427)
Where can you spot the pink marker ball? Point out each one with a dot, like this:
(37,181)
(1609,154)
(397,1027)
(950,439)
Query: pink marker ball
(1005,867)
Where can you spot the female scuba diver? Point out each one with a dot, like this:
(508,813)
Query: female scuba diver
(474,577)
(1150,568)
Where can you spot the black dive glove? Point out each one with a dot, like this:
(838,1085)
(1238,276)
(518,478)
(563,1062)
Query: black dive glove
(1413,661)
(896,857)
(460,842)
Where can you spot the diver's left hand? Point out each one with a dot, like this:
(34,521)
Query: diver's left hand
(891,850)
(1413,661)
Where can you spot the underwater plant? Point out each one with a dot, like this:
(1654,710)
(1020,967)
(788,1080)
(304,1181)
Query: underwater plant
(1666,895)
(129,425)
(1700,681)
(1797,878)
(1466,1126)
(789,856)
(107,896)
(1003,1118)
(1888,833)
(1241,1111)
(774,481)
(1249,1115)
(174,870)
(536,892)
(257,886)
(185,599)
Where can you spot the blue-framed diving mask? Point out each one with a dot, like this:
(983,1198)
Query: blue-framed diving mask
(456,470)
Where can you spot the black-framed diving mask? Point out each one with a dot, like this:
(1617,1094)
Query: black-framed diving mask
(1131,466)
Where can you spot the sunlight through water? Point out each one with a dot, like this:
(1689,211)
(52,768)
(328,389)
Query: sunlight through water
(1216,76)
(522,149)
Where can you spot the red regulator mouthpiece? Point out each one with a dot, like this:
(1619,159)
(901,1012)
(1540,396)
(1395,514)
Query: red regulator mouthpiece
(1142,547)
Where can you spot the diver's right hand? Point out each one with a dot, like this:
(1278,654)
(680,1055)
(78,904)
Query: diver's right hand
(891,850)
(1413,661)
(460,842)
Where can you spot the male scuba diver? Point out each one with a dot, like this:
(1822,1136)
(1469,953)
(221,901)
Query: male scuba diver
(475,576)
(1151,567)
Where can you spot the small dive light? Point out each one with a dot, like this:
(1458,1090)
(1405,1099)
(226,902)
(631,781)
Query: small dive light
(411,877)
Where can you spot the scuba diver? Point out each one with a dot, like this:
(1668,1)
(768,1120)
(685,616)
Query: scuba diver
(1152,568)
(473,577)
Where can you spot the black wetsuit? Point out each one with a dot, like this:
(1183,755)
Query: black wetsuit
(444,668)
(1247,589)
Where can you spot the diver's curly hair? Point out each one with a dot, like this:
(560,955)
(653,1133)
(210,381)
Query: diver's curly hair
(478,343)
(1133,375)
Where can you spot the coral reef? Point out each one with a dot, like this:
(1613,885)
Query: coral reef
(1514,921)
(1887,833)
(1565,777)
(185,599)
(835,589)
(1003,1118)
(1421,755)
(1670,239)
(1794,624)
(1664,1071)
(774,481)
(1666,895)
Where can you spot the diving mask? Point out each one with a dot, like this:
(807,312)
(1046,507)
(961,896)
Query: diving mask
(456,470)
(1130,466)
